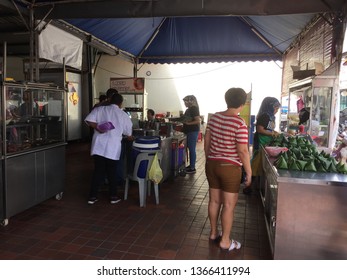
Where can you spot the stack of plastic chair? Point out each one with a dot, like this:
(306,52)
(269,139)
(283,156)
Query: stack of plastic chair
(142,165)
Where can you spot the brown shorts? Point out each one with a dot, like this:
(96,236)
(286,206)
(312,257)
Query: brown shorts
(223,175)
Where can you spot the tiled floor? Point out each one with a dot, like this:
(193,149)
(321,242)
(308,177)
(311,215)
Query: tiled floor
(177,228)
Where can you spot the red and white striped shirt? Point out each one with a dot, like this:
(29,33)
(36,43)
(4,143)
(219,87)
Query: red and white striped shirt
(226,133)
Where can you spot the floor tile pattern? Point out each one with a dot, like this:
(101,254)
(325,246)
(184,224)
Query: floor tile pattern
(176,229)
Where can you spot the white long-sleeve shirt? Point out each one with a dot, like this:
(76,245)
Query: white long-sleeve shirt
(108,144)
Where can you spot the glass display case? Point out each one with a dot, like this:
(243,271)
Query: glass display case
(312,109)
(32,146)
(34,117)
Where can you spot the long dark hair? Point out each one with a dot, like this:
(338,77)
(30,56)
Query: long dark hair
(191,100)
(268,107)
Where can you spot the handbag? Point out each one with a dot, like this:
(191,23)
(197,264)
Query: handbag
(155,173)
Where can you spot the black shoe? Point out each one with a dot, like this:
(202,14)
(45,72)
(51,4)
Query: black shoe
(190,170)
(114,199)
(92,200)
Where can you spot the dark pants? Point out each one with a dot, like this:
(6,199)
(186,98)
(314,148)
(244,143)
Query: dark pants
(104,166)
(192,138)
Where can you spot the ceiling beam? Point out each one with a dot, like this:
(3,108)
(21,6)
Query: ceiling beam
(170,8)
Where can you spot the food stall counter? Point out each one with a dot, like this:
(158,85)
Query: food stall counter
(305,212)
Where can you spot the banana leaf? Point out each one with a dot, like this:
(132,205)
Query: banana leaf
(321,168)
(281,163)
(292,155)
(339,165)
(285,140)
(301,141)
(342,169)
(324,154)
(290,146)
(297,153)
(293,140)
(310,166)
(332,168)
(278,159)
(289,153)
(285,144)
(301,164)
(294,166)
(313,149)
(310,146)
(306,152)
(308,158)
(325,163)
(283,154)
(275,140)
(290,161)
(320,157)
(300,155)
(281,136)
(303,148)
(334,161)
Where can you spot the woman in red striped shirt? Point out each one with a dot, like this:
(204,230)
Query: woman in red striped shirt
(226,151)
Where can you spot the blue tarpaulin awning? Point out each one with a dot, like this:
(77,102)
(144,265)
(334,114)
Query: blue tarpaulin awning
(199,39)
(171,31)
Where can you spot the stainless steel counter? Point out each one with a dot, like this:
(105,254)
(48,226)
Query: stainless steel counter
(305,213)
(305,177)
(31,178)
(165,147)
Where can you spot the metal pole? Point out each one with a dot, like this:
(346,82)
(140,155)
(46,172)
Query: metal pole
(4,63)
(37,59)
(32,38)
(66,96)
(3,109)
(91,77)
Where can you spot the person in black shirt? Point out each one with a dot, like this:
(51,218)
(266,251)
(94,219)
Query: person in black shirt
(191,127)
(150,123)
(264,135)
(265,122)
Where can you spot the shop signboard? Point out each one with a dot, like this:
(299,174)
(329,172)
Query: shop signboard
(128,85)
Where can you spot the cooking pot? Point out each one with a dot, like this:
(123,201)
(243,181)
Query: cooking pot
(138,132)
(149,132)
